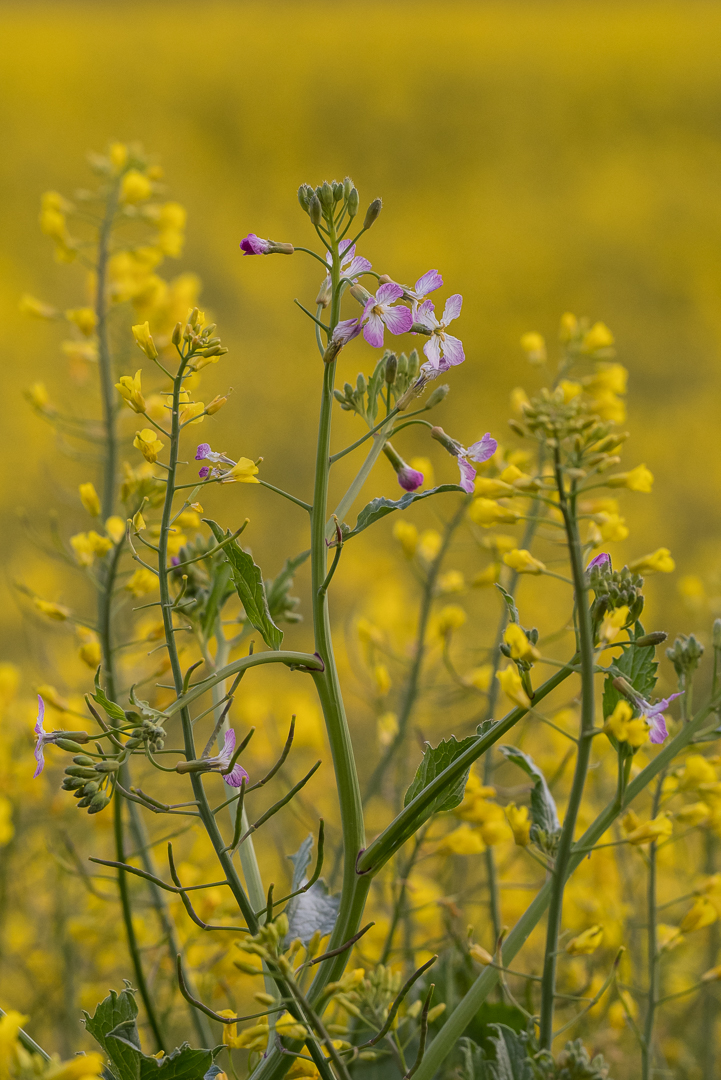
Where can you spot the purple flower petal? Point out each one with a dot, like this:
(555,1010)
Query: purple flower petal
(432,349)
(604,559)
(484,449)
(204,472)
(399,320)
(236,776)
(346,330)
(254,245)
(425,315)
(658,729)
(358,265)
(429,282)
(373,330)
(452,309)
(40,732)
(203,451)
(388,292)
(453,350)
(468,474)
(229,743)
(409,478)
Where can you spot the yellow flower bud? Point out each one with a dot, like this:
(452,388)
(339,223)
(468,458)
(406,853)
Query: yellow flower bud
(142,581)
(492,488)
(53,611)
(486,512)
(84,318)
(480,677)
(215,405)
(480,955)
(450,618)
(135,187)
(451,582)
(612,622)
(701,914)
(694,813)
(521,648)
(613,527)
(115,528)
(569,326)
(244,472)
(148,444)
(144,340)
(523,562)
(382,679)
(407,536)
(638,479)
(609,379)
(534,347)
(489,576)
(462,841)
(89,652)
(130,391)
(658,828)
(138,522)
(512,686)
(658,562)
(518,818)
(598,337)
(37,395)
(570,389)
(429,544)
(436,1011)
(37,309)
(586,943)
(89,499)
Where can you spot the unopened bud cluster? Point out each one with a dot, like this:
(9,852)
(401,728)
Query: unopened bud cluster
(335,198)
(394,374)
(90,781)
(147,734)
(685,655)
(615,589)
(587,442)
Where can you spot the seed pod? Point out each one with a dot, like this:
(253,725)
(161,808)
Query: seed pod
(656,638)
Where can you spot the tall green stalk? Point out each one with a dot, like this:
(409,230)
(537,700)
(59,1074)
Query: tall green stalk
(652,947)
(567,503)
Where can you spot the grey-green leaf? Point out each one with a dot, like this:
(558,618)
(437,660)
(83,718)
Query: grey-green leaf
(112,709)
(543,806)
(378,508)
(311,912)
(301,862)
(248,582)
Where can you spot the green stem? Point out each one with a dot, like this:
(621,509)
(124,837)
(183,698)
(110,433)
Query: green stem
(563,855)
(652,946)
(107,389)
(709,1008)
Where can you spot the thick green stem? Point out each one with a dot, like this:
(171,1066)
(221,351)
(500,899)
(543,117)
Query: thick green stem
(563,855)
(652,948)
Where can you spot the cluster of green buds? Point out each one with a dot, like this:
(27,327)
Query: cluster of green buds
(394,375)
(267,944)
(588,442)
(200,581)
(147,734)
(325,200)
(685,655)
(201,346)
(615,589)
(91,781)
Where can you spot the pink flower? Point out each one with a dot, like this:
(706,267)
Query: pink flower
(604,559)
(254,245)
(653,715)
(222,760)
(43,737)
(480,451)
(351,265)
(427,283)
(409,478)
(380,311)
(346,330)
(204,453)
(441,346)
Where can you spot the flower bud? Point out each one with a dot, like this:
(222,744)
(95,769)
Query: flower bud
(72,745)
(305,192)
(84,759)
(107,766)
(391,369)
(144,340)
(217,403)
(315,210)
(353,202)
(437,396)
(656,638)
(372,213)
(324,293)
(99,801)
(177,334)
(360,294)
(81,771)
(337,191)
(325,194)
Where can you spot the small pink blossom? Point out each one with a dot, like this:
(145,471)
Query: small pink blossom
(441,346)
(346,330)
(409,478)
(254,245)
(427,283)
(381,311)
(604,559)
(222,760)
(480,451)
(351,265)
(42,738)
(653,715)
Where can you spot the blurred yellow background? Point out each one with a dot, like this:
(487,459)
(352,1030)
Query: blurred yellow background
(544,156)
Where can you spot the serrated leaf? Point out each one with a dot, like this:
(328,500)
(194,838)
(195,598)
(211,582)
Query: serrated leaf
(510,604)
(378,508)
(511,1055)
(248,582)
(311,912)
(543,806)
(435,760)
(280,604)
(114,1012)
(112,709)
(638,666)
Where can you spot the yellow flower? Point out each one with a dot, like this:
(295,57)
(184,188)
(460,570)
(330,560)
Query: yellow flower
(462,841)
(450,618)
(613,527)
(429,544)
(37,395)
(696,771)
(658,828)
(53,611)
(143,581)
(586,943)
(701,913)
(115,528)
(382,679)
(694,813)
(216,404)
(495,830)
(135,187)
(148,444)
(492,487)
(451,582)
(130,391)
(521,648)
(407,536)
(609,379)
(658,562)
(487,512)
(89,499)
(84,318)
(10,1025)
(534,347)
(613,621)
(638,479)
(30,305)
(89,652)
(480,955)
(118,154)
(144,340)
(570,388)
(598,337)
(290,1028)
(244,472)
(138,521)
(386,728)
(712,975)
(194,413)
(512,686)
(569,326)
(486,577)
(519,819)
(668,936)
(523,562)
(480,677)
(630,821)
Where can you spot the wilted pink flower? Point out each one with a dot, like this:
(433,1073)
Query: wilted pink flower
(222,761)
(653,714)
(346,330)
(480,451)
(381,311)
(204,453)
(409,478)
(254,245)
(441,346)
(604,559)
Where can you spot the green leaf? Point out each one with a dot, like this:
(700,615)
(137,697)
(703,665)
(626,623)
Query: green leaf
(280,604)
(378,508)
(510,604)
(543,806)
(638,666)
(112,709)
(511,1055)
(435,760)
(248,582)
